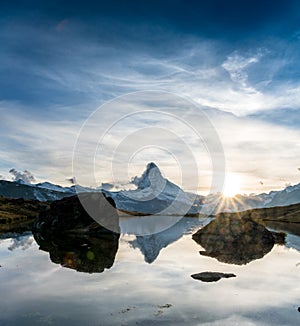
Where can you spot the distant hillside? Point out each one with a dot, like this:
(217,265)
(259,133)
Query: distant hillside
(18,214)
(32,192)
(290,214)
(287,196)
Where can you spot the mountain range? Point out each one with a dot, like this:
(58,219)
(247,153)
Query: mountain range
(155,194)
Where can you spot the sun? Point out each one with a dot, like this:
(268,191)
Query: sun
(232,185)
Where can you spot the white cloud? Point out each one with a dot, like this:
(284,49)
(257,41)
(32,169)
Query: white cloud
(200,70)
(256,151)
(236,65)
(259,151)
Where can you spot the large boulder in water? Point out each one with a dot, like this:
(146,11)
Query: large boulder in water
(234,240)
(85,213)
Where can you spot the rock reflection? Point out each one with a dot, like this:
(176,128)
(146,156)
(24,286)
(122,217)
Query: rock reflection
(73,238)
(84,253)
(234,240)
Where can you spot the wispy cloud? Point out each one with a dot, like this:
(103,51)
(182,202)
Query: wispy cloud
(236,65)
(79,70)
(54,75)
(251,148)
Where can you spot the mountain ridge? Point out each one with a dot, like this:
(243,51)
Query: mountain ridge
(154,194)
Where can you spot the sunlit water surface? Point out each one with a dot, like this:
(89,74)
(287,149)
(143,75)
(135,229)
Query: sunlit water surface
(35,291)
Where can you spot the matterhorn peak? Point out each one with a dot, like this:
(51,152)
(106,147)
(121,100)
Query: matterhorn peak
(151,176)
(156,195)
(150,166)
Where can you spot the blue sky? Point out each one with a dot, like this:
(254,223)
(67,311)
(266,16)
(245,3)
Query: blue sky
(60,61)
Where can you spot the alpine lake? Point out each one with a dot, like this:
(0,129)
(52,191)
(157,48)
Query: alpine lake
(146,279)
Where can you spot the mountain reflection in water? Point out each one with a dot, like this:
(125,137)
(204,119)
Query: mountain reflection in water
(93,253)
(151,245)
(229,240)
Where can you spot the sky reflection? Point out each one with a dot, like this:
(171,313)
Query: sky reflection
(37,291)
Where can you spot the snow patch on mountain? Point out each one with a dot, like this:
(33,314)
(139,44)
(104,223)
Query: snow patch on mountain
(51,186)
(292,188)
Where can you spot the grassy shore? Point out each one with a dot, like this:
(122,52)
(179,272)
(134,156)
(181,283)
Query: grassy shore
(17,214)
(284,214)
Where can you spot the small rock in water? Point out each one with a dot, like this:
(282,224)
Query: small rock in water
(298,309)
(211,276)
(167,305)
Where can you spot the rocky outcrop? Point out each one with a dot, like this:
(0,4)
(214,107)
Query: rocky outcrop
(211,276)
(234,240)
(86,213)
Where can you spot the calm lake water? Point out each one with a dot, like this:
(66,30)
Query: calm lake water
(146,281)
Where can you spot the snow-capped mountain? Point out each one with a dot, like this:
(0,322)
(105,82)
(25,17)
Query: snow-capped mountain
(217,203)
(155,195)
(41,192)
(44,191)
(285,197)
(51,186)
